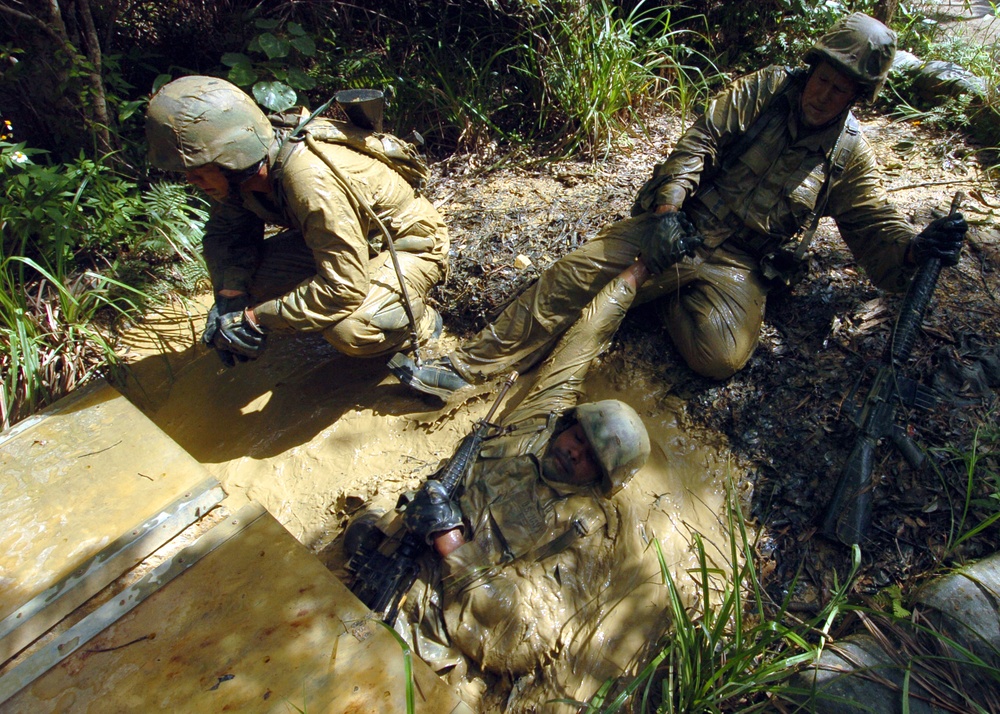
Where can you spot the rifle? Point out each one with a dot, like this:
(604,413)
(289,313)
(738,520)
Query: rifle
(382,575)
(849,514)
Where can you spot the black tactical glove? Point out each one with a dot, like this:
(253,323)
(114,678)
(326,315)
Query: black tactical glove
(430,512)
(221,307)
(671,236)
(941,239)
(237,335)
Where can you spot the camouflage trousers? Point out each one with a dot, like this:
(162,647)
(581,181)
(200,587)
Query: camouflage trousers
(712,305)
(380,325)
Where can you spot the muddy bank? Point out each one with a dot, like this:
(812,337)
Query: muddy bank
(314,436)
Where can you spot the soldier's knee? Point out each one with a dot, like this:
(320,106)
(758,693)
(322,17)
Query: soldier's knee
(358,338)
(718,367)
(713,353)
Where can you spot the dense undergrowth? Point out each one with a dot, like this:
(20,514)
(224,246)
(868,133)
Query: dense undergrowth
(88,232)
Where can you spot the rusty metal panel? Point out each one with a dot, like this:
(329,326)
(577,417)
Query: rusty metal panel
(90,487)
(255,624)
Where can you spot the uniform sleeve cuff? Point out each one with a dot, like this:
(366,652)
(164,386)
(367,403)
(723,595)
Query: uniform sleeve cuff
(670,194)
(270,318)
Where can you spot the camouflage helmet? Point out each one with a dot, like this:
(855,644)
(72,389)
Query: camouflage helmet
(618,438)
(195,121)
(860,47)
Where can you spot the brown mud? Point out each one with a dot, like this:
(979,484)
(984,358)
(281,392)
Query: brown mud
(315,436)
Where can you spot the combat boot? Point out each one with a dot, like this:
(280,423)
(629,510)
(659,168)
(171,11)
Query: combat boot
(436,377)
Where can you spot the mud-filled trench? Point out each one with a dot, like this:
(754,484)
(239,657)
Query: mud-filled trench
(315,436)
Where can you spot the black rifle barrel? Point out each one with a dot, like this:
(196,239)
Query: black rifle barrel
(849,514)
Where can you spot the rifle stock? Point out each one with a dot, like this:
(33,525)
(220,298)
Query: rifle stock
(850,511)
(381,579)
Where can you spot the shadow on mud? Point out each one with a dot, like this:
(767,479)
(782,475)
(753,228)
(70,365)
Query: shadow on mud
(298,388)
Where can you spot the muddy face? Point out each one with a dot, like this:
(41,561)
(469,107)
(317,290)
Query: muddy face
(209,179)
(827,93)
(571,459)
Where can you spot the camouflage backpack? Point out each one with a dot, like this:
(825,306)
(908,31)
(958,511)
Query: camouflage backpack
(401,156)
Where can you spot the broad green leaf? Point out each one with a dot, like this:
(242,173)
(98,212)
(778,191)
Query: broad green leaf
(296,29)
(129,108)
(299,79)
(160,80)
(265,24)
(304,45)
(232,59)
(276,96)
(242,75)
(274,47)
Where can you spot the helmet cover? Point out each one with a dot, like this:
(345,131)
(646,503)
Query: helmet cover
(196,120)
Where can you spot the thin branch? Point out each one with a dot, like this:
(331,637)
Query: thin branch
(37,22)
(972,182)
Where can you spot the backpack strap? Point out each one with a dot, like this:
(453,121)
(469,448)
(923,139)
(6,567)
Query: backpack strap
(839,156)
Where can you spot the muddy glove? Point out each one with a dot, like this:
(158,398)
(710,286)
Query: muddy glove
(238,335)
(431,512)
(670,237)
(941,239)
(221,307)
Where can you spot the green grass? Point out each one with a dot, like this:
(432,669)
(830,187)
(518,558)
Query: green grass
(594,73)
(58,312)
(970,479)
(50,341)
(734,649)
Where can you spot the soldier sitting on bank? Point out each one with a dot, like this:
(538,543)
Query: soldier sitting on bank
(331,273)
(771,155)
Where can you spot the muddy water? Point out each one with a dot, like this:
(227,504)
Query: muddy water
(312,435)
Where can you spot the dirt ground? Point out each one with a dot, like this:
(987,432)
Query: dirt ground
(315,436)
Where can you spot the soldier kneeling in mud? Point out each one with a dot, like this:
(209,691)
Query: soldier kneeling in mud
(331,272)
(540,570)
(771,155)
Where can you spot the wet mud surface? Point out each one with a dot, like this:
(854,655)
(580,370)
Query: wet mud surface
(315,436)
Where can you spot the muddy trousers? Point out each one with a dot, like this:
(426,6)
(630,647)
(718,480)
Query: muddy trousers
(712,305)
(379,326)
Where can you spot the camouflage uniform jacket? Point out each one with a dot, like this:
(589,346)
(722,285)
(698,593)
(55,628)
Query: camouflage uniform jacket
(772,188)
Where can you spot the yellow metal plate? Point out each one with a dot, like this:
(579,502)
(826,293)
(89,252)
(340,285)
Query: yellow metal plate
(257,625)
(75,479)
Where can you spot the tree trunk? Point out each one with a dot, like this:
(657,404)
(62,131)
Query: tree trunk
(101,122)
(885,11)
(59,105)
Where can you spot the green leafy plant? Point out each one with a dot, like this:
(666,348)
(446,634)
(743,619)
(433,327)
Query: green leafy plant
(82,211)
(50,341)
(593,72)
(463,101)
(57,312)
(407,667)
(277,73)
(977,506)
(734,650)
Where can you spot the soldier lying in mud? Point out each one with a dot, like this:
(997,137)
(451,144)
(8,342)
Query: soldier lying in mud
(540,570)
(771,155)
